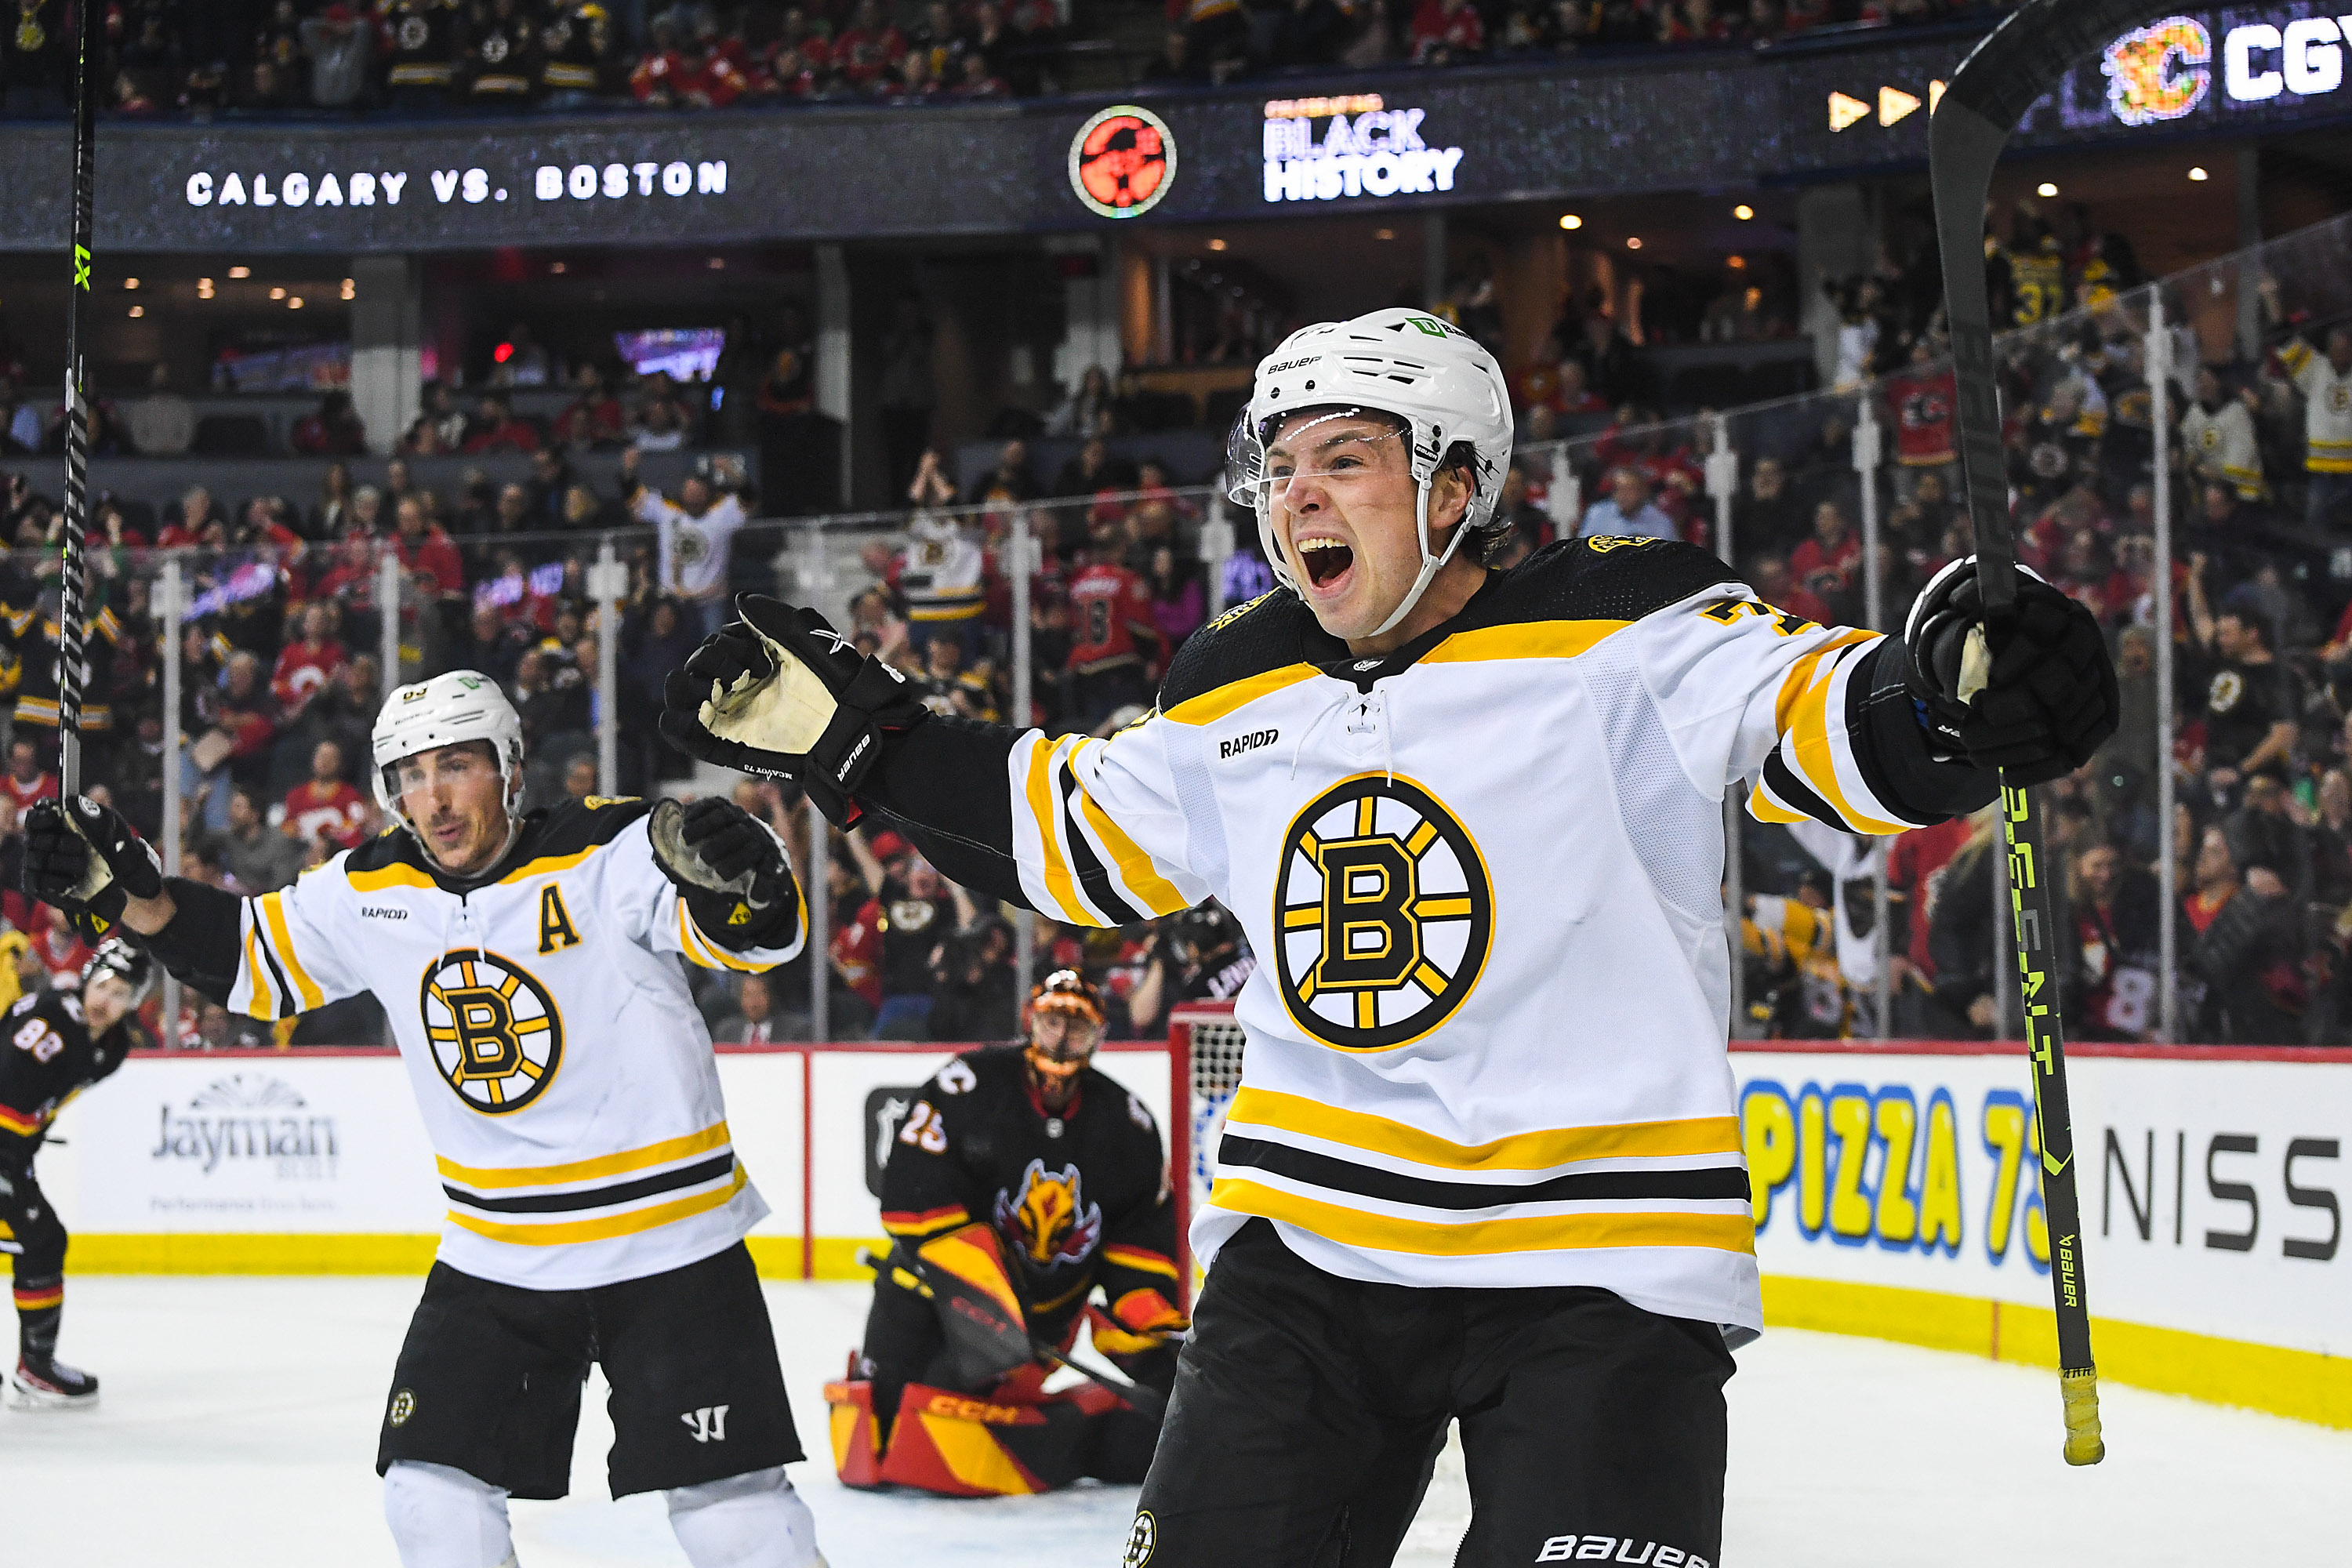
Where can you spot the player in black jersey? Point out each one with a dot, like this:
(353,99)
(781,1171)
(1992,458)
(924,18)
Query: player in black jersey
(1022,1179)
(57,1045)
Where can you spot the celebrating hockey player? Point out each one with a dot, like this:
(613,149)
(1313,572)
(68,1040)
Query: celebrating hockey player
(1022,1178)
(63,1042)
(1484,1163)
(597,1209)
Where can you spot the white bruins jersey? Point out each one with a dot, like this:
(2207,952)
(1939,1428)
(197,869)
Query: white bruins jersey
(566,1078)
(1483,877)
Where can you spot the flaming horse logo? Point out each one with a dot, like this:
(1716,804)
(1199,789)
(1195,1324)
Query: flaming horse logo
(1049,1218)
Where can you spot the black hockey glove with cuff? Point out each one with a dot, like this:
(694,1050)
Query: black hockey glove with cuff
(778,693)
(83,857)
(730,870)
(2037,706)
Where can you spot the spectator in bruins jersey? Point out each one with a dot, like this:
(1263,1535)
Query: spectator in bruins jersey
(1022,1178)
(32,636)
(65,1044)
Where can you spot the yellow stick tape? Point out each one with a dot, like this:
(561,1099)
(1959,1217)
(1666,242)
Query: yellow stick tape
(2302,1384)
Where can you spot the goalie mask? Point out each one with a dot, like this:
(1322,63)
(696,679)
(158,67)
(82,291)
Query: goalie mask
(1441,386)
(1066,1025)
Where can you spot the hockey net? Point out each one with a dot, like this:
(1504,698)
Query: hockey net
(1204,1048)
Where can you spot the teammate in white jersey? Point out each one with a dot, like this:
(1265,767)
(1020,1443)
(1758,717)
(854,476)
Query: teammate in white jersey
(1484,1162)
(598,1210)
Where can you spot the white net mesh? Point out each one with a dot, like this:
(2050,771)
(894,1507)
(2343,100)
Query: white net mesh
(1216,1073)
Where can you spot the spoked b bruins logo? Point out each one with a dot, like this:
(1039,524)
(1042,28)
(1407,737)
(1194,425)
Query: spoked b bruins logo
(494,1030)
(1383,912)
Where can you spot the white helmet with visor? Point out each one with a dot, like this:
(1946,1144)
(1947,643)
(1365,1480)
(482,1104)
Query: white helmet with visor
(1408,365)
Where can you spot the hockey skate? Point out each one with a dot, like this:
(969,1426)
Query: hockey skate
(50,1385)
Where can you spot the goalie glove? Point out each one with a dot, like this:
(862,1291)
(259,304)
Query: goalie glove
(2038,706)
(730,870)
(83,857)
(778,693)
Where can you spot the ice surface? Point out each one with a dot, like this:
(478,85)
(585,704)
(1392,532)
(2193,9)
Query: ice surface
(240,1418)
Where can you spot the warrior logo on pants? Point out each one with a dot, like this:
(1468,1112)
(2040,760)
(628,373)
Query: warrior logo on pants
(1383,914)
(494,1030)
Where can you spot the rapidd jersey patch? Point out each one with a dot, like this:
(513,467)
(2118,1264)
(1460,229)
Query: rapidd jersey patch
(495,1031)
(1383,914)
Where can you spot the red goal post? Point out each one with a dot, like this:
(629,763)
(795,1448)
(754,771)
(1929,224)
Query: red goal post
(1205,1063)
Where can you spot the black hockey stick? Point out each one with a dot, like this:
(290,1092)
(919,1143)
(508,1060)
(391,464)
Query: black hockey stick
(92,65)
(2024,59)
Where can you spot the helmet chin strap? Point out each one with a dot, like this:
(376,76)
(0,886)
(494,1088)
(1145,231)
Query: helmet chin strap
(1430,564)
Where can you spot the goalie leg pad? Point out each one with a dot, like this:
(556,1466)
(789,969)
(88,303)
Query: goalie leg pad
(856,1440)
(961,1445)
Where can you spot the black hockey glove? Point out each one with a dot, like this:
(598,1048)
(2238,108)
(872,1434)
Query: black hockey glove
(730,870)
(85,859)
(778,693)
(2036,706)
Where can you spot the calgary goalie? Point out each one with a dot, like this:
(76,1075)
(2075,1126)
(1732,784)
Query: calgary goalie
(1022,1179)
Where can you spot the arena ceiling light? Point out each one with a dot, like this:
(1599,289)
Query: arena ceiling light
(557,268)
(1632,242)
(294,303)
(240,273)
(274,293)
(204,287)
(1216,244)
(1571,221)
(2045,189)
(717,264)
(2198,174)
(350,289)
(1743,212)
(130,282)
(1383,233)
(137,312)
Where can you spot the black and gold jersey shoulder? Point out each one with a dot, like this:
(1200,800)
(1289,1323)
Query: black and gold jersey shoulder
(1602,578)
(1269,632)
(552,833)
(48,1056)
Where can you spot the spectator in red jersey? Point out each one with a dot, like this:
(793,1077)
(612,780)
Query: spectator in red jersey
(1779,588)
(1111,625)
(868,50)
(426,550)
(1446,32)
(324,807)
(240,709)
(498,430)
(1830,562)
(688,75)
(61,951)
(28,781)
(306,666)
(1925,403)
(2115,907)
(654,82)
(334,431)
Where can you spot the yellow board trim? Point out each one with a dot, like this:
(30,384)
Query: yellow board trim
(210,1252)
(567,1233)
(1215,704)
(1474,1238)
(273,905)
(493,1178)
(2302,1385)
(1519,1151)
(1526,639)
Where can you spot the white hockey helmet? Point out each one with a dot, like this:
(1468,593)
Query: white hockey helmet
(446,711)
(1409,364)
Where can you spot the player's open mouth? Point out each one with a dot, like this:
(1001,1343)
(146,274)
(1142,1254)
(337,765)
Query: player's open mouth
(1326,561)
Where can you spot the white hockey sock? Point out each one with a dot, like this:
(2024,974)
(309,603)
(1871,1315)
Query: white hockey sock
(444,1518)
(755,1520)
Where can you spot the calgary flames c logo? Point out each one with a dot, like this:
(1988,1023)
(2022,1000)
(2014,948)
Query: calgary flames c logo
(2160,71)
(1122,161)
(1049,1218)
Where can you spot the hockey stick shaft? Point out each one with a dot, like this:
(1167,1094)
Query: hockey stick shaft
(70,614)
(1146,1401)
(2022,60)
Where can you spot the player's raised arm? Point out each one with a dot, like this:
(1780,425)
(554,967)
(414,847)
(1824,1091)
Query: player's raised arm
(1087,831)
(1878,733)
(267,957)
